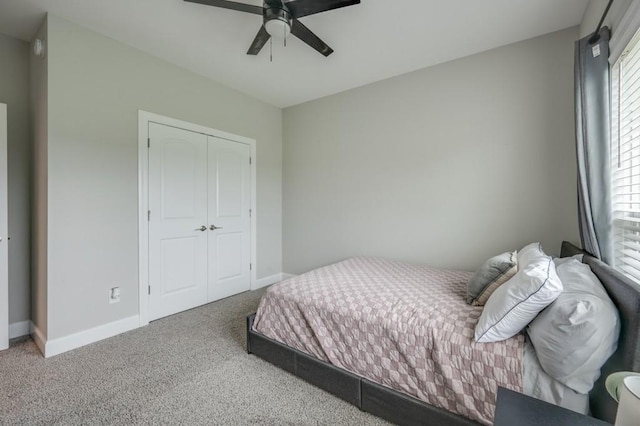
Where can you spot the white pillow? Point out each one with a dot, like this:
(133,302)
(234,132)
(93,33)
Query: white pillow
(562,260)
(518,301)
(578,332)
(530,252)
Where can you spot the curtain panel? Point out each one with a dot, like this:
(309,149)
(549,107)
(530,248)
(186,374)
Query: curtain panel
(593,116)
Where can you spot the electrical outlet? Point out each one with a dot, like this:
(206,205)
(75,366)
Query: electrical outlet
(114,295)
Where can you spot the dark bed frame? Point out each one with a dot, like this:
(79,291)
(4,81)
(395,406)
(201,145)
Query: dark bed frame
(405,410)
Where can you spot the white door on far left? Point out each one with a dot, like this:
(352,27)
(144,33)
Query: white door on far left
(4,230)
(178,220)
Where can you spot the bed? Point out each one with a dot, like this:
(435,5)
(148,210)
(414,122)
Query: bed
(401,391)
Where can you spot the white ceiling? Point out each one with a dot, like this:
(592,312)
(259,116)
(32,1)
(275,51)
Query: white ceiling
(373,40)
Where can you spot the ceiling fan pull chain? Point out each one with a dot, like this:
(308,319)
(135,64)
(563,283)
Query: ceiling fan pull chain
(271,49)
(284,30)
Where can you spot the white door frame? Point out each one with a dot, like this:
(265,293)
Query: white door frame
(4,232)
(144,118)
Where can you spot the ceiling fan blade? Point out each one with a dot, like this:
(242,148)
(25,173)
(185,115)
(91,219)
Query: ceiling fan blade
(300,8)
(242,7)
(305,34)
(258,43)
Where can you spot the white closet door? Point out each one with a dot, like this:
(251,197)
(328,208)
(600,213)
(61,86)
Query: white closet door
(4,231)
(178,229)
(229,220)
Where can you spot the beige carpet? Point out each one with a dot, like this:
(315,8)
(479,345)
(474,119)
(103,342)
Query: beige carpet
(190,368)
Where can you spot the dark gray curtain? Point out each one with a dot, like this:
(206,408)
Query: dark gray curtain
(593,144)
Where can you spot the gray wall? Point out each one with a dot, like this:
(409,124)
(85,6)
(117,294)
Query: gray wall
(96,86)
(40,131)
(14,91)
(444,166)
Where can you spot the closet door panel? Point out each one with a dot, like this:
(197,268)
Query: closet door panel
(178,216)
(229,219)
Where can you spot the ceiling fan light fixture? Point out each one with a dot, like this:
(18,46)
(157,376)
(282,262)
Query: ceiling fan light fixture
(278,28)
(277,22)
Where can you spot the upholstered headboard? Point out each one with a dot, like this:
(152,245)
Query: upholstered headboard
(625,293)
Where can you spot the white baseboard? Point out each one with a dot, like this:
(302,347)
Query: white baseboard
(38,338)
(263,282)
(63,344)
(60,345)
(19,329)
(276,278)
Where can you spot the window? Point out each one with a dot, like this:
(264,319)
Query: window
(625,159)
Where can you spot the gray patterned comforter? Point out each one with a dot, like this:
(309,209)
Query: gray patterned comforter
(403,326)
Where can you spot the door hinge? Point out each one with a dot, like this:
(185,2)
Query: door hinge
(249,160)
(250,266)
(250,212)
(149,290)
(148,215)
(148,142)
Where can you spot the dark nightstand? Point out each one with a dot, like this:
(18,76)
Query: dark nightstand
(513,408)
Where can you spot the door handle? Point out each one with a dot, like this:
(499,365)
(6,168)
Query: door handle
(202,228)
(213,227)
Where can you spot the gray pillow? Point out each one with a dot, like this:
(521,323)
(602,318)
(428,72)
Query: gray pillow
(575,335)
(491,275)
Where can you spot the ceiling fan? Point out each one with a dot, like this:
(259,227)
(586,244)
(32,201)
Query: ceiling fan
(281,18)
